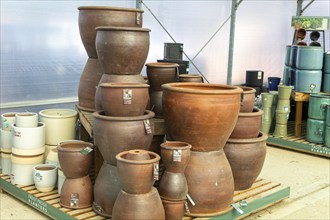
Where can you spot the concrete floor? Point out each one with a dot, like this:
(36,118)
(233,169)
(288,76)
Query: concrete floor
(307,175)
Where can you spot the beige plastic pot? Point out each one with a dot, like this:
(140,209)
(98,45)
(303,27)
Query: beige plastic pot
(28,137)
(29,152)
(7,119)
(6,163)
(6,140)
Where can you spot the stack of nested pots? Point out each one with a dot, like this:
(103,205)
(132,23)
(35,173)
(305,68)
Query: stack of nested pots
(267,100)
(282,111)
(317,115)
(28,136)
(326,73)
(138,199)
(75,159)
(327,128)
(91,17)
(246,146)
(204,115)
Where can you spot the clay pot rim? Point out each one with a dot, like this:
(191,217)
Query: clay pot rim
(9,114)
(61,147)
(247,90)
(258,139)
(149,161)
(162,65)
(152,192)
(110,8)
(124,85)
(52,166)
(25,156)
(284,86)
(168,145)
(112,28)
(173,201)
(71,113)
(85,109)
(256,112)
(147,115)
(215,89)
(191,75)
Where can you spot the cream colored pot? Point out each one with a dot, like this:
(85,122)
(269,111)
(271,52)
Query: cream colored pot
(6,163)
(29,138)
(44,177)
(6,140)
(26,119)
(7,119)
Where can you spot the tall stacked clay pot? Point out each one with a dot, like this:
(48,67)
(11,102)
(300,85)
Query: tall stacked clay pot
(204,115)
(138,199)
(91,17)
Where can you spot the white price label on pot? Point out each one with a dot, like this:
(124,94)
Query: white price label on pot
(156,171)
(177,154)
(259,75)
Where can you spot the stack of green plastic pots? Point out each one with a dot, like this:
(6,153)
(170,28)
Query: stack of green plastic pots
(267,101)
(282,111)
(326,73)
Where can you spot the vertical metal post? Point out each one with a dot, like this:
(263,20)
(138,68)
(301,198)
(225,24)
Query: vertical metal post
(299,7)
(231,41)
(138,4)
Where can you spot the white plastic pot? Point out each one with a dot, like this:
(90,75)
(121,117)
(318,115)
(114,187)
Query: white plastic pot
(6,140)
(6,163)
(44,177)
(7,119)
(29,152)
(60,124)
(29,138)
(26,119)
(60,180)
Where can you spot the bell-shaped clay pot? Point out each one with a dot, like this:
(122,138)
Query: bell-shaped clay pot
(246,158)
(191,78)
(137,170)
(75,158)
(203,115)
(161,73)
(122,51)
(174,210)
(113,135)
(248,99)
(173,186)
(175,155)
(124,99)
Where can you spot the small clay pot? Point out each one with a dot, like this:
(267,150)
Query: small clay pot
(173,186)
(136,170)
(161,73)
(124,99)
(248,99)
(174,210)
(314,35)
(190,78)
(175,155)
(300,33)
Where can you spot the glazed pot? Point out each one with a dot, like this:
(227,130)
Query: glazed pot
(293,56)
(282,117)
(28,152)
(283,105)
(315,131)
(75,158)
(327,117)
(77,193)
(136,170)
(7,119)
(26,119)
(60,124)
(28,137)
(48,148)
(175,155)
(326,63)
(106,190)
(248,99)
(286,75)
(156,103)
(210,183)
(284,92)
(6,140)
(91,17)
(308,81)
(287,55)
(173,186)
(113,135)
(161,73)
(89,79)
(267,100)
(203,115)
(191,78)
(138,206)
(248,124)
(327,136)
(317,106)
(124,99)
(52,157)
(121,50)
(60,180)
(111,78)
(281,130)
(6,163)
(246,158)
(314,35)
(254,78)
(45,177)
(174,210)
(326,83)
(310,58)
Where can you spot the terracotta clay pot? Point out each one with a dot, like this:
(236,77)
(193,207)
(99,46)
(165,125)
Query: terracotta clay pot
(110,78)
(246,158)
(89,79)
(136,170)
(156,142)
(74,161)
(248,99)
(173,186)
(124,99)
(190,78)
(161,73)
(91,17)
(203,115)
(138,206)
(156,103)
(300,34)
(106,190)
(113,135)
(175,155)
(174,210)
(248,124)
(77,193)
(210,183)
(122,51)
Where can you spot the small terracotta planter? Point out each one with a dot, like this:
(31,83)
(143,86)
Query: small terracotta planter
(161,73)
(174,210)
(249,95)
(191,78)
(175,155)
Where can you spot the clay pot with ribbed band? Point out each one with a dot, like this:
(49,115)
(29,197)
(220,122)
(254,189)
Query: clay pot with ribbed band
(246,158)
(210,183)
(91,17)
(136,170)
(113,135)
(174,210)
(161,73)
(191,78)
(248,99)
(122,50)
(203,115)
(124,99)
(75,158)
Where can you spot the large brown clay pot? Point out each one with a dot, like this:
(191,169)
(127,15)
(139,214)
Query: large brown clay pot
(110,78)
(174,210)
(77,193)
(136,170)
(75,158)
(191,78)
(121,50)
(173,186)
(138,206)
(89,79)
(124,99)
(156,103)
(161,73)
(246,158)
(113,135)
(248,124)
(91,17)
(248,99)
(106,190)
(210,183)
(203,115)
(175,155)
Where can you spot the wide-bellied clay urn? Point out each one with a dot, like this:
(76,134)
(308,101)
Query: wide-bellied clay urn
(91,17)
(122,50)
(248,99)
(203,115)
(246,158)
(161,73)
(113,135)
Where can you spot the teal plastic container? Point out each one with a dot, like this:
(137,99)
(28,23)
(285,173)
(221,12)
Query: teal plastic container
(317,106)
(315,131)
(287,54)
(326,83)
(327,136)
(326,62)
(308,81)
(309,58)
(327,116)
(286,75)
(293,56)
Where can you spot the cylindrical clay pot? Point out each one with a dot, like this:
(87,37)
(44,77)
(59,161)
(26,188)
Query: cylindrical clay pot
(248,99)
(161,73)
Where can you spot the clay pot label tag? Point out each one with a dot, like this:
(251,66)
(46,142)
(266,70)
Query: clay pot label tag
(127,96)
(186,206)
(259,75)
(190,200)
(74,199)
(156,171)
(147,126)
(177,154)
(86,150)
